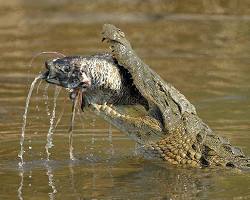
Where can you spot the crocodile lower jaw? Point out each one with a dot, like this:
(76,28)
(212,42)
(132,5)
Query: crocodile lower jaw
(107,110)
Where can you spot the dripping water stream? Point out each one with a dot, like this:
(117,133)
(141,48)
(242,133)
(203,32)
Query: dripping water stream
(49,143)
(46,99)
(21,152)
(71,148)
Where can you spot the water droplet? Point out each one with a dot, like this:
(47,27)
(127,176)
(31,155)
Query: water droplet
(37,108)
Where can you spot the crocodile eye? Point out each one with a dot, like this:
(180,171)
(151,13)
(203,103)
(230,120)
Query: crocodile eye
(121,33)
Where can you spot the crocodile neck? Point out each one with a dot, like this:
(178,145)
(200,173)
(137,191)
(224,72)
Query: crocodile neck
(162,97)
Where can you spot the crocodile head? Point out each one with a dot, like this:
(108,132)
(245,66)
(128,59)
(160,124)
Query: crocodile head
(112,33)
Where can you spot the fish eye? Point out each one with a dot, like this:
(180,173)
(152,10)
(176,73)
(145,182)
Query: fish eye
(66,68)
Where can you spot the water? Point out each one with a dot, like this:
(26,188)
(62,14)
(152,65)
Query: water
(49,143)
(201,47)
(19,190)
(20,155)
(72,121)
(22,151)
(110,138)
(51,181)
(46,98)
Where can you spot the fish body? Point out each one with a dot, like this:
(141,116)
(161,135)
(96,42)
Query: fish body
(98,77)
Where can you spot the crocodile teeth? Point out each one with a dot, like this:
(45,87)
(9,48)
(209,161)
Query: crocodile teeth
(113,112)
(96,106)
(108,110)
(103,107)
(125,116)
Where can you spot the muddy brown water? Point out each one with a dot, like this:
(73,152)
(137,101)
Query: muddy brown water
(201,47)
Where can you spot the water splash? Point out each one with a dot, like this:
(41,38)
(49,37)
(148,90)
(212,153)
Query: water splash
(20,155)
(51,181)
(71,148)
(46,99)
(49,143)
(61,114)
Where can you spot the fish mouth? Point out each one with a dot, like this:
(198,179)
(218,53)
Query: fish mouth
(45,75)
(68,83)
(50,79)
(74,86)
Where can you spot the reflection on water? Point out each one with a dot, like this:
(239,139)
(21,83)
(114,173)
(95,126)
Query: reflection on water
(134,179)
(110,138)
(51,181)
(20,188)
(202,47)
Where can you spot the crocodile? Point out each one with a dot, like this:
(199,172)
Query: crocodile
(167,128)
